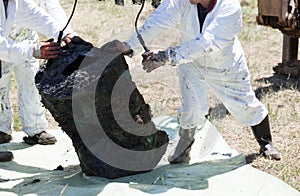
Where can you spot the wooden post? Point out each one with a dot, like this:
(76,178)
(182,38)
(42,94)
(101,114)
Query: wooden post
(290,64)
(289,49)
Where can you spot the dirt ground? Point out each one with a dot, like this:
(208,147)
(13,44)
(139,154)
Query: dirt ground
(102,21)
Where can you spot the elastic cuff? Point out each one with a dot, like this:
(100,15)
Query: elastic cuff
(171,53)
(36,51)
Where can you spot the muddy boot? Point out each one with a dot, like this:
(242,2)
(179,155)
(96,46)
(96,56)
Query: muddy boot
(183,148)
(43,138)
(6,156)
(263,136)
(4,138)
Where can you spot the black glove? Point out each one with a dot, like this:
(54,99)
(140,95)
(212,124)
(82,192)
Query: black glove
(152,61)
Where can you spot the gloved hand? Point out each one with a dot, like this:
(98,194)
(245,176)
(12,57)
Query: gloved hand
(71,40)
(46,49)
(152,61)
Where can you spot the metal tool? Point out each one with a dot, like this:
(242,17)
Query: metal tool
(137,32)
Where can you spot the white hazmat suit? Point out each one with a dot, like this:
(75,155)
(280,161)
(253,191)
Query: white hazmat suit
(211,59)
(16,54)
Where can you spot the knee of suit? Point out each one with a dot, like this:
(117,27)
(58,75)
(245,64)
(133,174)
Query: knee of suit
(249,115)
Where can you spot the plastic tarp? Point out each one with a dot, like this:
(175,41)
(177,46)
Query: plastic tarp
(214,169)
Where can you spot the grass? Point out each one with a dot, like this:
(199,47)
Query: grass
(17,125)
(280,96)
(100,22)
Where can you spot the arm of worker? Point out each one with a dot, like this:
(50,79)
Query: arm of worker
(220,33)
(34,17)
(30,15)
(12,51)
(224,26)
(166,16)
(54,8)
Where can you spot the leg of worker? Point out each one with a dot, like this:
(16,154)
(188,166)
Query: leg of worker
(192,112)
(262,133)
(5,115)
(5,107)
(31,110)
(235,92)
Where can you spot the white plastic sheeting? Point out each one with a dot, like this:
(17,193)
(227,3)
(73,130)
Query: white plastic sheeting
(215,169)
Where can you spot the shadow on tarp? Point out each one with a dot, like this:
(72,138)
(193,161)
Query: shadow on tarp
(184,176)
(16,167)
(14,146)
(71,181)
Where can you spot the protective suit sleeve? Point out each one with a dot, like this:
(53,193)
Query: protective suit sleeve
(166,16)
(29,15)
(54,8)
(12,51)
(219,34)
(34,17)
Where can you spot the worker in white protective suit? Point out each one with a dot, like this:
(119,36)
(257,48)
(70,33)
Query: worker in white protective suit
(18,56)
(31,110)
(209,55)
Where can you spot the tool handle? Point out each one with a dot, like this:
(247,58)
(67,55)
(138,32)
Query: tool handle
(60,36)
(142,42)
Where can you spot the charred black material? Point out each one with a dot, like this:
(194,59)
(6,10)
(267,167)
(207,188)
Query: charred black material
(154,3)
(80,68)
(119,2)
(139,2)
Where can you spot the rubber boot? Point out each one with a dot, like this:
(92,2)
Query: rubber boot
(183,148)
(6,156)
(263,136)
